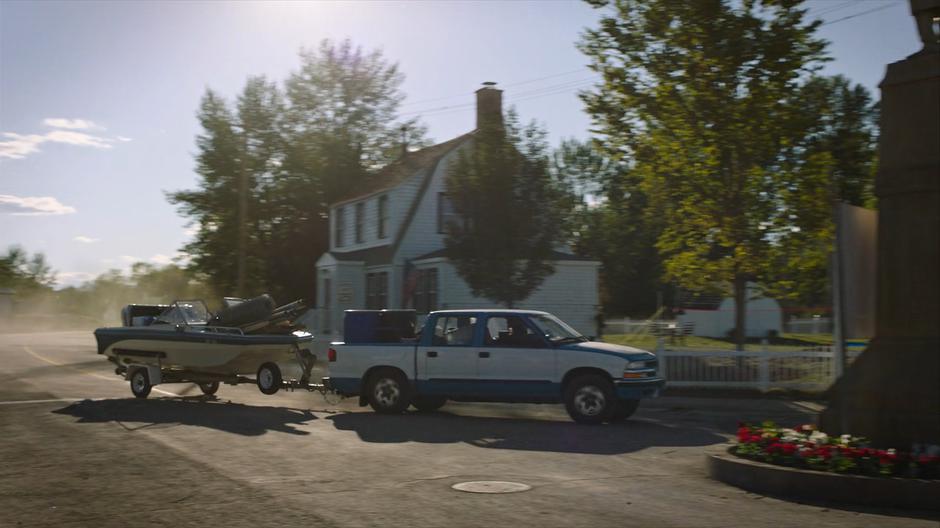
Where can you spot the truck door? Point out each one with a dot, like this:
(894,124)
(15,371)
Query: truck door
(447,359)
(514,361)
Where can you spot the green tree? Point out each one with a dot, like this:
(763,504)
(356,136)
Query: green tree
(24,273)
(609,222)
(705,97)
(290,153)
(509,212)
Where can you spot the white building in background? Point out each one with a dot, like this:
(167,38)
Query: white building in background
(763,317)
(387,246)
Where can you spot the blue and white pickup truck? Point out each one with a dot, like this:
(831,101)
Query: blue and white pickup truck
(488,355)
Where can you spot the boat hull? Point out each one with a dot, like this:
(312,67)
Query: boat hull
(198,351)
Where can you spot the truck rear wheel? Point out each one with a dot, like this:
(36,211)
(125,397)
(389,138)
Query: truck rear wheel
(388,392)
(589,399)
(428,403)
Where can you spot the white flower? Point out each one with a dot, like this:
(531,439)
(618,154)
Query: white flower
(845,439)
(819,437)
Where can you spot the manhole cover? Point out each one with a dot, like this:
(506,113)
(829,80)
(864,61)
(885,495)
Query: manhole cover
(491,486)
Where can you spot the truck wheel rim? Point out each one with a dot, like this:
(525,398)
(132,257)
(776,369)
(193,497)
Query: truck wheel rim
(138,382)
(267,378)
(387,392)
(589,401)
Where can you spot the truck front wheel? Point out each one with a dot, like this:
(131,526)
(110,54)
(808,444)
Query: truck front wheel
(388,392)
(589,399)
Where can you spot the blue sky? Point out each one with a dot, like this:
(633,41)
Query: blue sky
(98,99)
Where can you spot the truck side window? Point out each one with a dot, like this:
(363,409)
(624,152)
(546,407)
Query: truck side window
(510,331)
(454,330)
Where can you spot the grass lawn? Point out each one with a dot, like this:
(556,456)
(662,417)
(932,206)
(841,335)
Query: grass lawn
(783,343)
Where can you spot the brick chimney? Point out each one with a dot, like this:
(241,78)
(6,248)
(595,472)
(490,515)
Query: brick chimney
(489,105)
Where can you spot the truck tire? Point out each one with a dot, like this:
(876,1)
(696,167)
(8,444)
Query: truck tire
(589,399)
(428,403)
(252,310)
(388,391)
(269,378)
(623,409)
(140,383)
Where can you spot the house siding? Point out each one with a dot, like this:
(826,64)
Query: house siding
(398,198)
(422,236)
(570,293)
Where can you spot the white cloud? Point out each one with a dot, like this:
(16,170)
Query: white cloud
(73,124)
(33,205)
(85,240)
(130,259)
(18,146)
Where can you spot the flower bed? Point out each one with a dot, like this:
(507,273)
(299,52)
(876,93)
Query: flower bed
(808,448)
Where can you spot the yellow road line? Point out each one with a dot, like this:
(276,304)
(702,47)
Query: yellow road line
(85,372)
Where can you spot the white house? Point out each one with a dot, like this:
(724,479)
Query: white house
(387,246)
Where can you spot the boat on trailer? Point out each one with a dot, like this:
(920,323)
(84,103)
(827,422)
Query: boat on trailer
(248,341)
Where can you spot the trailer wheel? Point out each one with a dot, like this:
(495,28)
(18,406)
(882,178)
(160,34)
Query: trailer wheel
(589,399)
(623,409)
(428,403)
(269,378)
(140,383)
(388,392)
(209,388)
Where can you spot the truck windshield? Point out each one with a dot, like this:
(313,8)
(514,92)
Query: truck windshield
(556,330)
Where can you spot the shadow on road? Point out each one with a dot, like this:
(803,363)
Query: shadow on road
(201,411)
(521,434)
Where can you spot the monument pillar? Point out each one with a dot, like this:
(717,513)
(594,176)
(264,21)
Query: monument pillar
(891,394)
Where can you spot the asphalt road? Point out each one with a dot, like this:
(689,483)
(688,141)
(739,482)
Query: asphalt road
(76,449)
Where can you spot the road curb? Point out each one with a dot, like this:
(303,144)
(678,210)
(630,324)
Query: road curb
(783,481)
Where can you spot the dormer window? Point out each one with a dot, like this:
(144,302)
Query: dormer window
(383,215)
(339,226)
(360,220)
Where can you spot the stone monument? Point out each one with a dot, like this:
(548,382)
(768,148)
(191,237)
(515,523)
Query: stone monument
(891,394)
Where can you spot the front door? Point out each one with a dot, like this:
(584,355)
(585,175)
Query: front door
(447,359)
(514,362)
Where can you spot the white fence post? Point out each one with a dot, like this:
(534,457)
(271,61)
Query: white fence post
(763,368)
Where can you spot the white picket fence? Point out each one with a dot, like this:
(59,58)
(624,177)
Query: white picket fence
(810,370)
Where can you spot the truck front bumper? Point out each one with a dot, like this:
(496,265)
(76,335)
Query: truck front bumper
(637,389)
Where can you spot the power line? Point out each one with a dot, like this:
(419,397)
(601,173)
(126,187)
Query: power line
(518,83)
(858,14)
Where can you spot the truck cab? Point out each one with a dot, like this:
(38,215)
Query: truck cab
(500,356)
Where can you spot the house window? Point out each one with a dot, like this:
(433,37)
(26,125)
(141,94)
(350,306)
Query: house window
(425,295)
(445,212)
(360,218)
(383,215)
(339,226)
(377,291)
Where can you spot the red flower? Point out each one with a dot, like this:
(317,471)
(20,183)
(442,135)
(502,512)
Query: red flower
(788,448)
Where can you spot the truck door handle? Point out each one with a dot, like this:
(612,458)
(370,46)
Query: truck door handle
(432,353)
(484,354)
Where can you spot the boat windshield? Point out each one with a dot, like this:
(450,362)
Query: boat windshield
(185,312)
(556,330)
(193,312)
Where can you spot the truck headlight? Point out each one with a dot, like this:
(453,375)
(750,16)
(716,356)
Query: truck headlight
(635,365)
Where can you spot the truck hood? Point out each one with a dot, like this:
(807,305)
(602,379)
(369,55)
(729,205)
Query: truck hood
(625,352)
